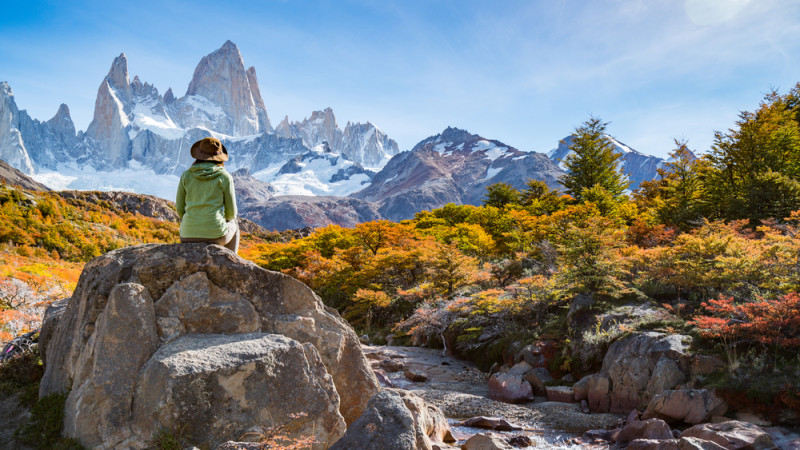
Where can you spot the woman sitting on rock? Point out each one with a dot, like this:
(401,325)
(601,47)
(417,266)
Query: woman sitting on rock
(206,200)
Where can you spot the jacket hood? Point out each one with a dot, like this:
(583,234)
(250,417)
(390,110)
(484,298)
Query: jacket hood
(206,171)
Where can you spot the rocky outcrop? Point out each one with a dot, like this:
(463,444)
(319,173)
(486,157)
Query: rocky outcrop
(166,329)
(398,420)
(119,202)
(631,363)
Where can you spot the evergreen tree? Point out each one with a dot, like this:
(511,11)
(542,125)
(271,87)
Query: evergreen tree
(592,162)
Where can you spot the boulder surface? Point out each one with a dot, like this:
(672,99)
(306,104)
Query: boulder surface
(134,305)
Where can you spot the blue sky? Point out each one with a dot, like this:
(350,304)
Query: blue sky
(523,72)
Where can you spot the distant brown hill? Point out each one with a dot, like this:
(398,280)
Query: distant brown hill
(13,176)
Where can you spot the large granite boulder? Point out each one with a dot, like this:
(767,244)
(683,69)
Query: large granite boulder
(397,420)
(131,303)
(210,385)
(640,367)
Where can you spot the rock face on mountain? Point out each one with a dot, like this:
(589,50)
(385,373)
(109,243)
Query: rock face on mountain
(27,143)
(454,166)
(362,143)
(221,79)
(190,336)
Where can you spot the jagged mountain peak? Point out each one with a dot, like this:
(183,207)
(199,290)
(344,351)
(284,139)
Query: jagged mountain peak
(62,113)
(5,89)
(169,96)
(221,78)
(118,74)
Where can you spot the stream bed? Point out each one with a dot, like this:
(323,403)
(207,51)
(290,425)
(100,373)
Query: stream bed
(460,390)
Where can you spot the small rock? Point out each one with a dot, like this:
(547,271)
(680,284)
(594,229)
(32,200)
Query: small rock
(383,379)
(494,423)
(596,435)
(520,368)
(509,388)
(390,365)
(364,338)
(537,377)
(415,375)
(653,444)
(561,394)
(483,441)
(690,443)
(520,441)
(568,378)
(581,389)
(585,407)
(644,429)
(598,395)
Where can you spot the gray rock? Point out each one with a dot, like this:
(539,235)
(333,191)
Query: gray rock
(484,441)
(98,407)
(96,345)
(688,405)
(666,375)
(509,388)
(732,435)
(631,362)
(537,377)
(644,429)
(396,419)
(216,388)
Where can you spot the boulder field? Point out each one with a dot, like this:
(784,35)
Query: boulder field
(192,338)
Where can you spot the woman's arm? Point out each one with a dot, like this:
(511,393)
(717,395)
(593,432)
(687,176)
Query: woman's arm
(180,199)
(229,198)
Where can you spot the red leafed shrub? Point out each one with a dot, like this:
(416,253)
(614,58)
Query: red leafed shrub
(770,322)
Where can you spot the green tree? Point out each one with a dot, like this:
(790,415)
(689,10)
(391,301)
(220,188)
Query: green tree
(767,140)
(500,195)
(680,192)
(592,162)
(539,199)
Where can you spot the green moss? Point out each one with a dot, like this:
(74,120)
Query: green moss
(166,439)
(44,426)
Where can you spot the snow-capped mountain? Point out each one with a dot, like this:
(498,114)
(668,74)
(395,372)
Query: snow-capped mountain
(363,143)
(454,166)
(139,140)
(636,165)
